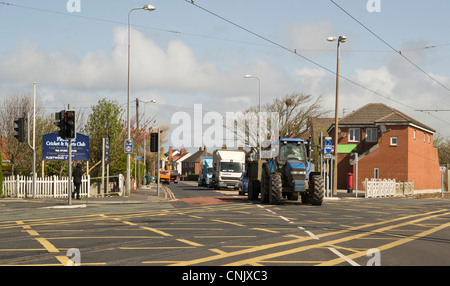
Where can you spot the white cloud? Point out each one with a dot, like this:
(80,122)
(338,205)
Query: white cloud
(173,74)
(380,80)
(310,36)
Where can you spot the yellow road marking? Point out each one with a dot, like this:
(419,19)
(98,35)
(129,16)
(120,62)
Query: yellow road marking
(163,261)
(389,245)
(156,230)
(347,238)
(156,247)
(46,244)
(21,249)
(293,241)
(216,250)
(100,237)
(228,222)
(32,232)
(266,230)
(189,242)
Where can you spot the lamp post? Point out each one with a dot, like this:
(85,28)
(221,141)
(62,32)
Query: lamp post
(259,113)
(340,40)
(127,179)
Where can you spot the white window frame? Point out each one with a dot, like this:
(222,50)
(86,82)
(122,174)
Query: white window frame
(392,139)
(352,135)
(371,134)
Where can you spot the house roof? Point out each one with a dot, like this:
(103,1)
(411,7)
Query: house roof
(181,157)
(196,156)
(378,114)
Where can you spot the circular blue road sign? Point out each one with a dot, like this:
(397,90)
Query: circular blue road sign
(328,146)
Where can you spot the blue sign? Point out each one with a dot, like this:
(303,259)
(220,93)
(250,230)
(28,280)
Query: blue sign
(328,147)
(107,149)
(128,146)
(56,148)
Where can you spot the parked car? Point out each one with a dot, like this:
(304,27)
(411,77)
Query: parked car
(243,184)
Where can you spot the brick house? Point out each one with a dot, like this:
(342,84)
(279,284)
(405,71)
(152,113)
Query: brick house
(389,144)
(192,164)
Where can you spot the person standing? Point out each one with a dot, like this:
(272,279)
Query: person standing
(77,173)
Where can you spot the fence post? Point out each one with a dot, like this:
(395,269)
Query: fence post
(88,185)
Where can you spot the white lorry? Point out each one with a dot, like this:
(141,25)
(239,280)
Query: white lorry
(228,166)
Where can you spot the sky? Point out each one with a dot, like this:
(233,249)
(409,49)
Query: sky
(183,53)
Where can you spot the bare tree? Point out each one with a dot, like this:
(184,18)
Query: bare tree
(18,153)
(293,111)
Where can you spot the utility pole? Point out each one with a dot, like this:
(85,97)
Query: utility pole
(340,40)
(158,172)
(69,176)
(137,165)
(33,147)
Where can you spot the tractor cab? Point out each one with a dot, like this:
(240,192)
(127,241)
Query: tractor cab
(291,149)
(294,154)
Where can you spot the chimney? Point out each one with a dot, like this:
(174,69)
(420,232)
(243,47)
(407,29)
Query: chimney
(224,147)
(170,153)
(183,151)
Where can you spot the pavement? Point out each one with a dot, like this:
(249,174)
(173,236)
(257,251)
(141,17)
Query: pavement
(143,195)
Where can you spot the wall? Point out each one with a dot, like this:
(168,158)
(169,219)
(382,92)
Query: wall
(391,160)
(344,166)
(423,161)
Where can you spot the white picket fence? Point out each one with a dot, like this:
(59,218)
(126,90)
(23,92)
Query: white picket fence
(377,188)
(46,187)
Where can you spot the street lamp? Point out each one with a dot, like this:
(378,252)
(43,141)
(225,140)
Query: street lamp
(127,179)
(340,40)
(259,114)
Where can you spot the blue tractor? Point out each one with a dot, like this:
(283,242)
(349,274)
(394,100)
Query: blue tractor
(286,176)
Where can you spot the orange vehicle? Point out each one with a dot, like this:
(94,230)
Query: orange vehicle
(165,175)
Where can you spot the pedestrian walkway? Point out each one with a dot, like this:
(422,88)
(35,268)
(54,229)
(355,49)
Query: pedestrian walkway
(143,195)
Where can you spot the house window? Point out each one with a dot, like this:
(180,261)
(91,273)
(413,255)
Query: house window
(394,141)
(371,134)
(414,134)
(376,173)
(424,137)
(353,135)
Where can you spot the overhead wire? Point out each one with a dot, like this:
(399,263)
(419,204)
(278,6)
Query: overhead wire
(296,52)
(399,52)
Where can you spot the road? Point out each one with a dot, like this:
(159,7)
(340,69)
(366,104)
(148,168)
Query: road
(204,227)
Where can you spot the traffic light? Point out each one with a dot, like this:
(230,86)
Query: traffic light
(65,120)
(154,142)
(60,122)
(20,129)
(70,130)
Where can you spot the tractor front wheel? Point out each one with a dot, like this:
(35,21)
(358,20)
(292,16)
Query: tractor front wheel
(316,196)
(275,188)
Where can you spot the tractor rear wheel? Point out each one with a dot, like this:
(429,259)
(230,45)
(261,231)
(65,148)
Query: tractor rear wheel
(275,188)
(253,190)
(317,191)
(265,184)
